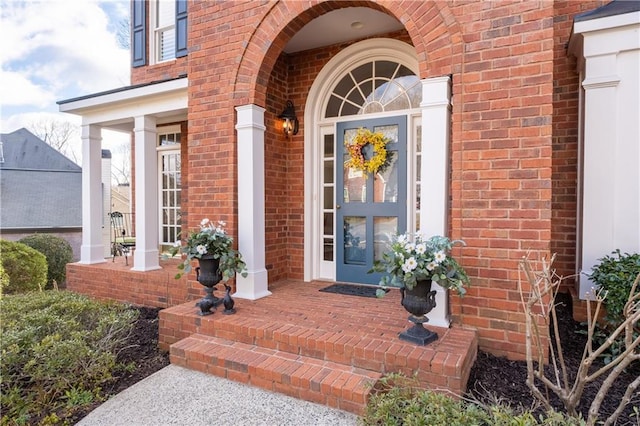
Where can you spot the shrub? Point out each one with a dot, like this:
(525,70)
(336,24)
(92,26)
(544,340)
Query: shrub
(398,401)
(4,278)
(615,274)
(58,253)
(58,349)
(26,267)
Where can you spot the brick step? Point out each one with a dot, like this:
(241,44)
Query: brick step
(444,364)
(324,382)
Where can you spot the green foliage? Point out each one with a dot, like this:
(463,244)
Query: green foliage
(398,401)
(25,266)
(615,275)
(211,240)
(4,278)
(58,349)
(417,258)
(58,253)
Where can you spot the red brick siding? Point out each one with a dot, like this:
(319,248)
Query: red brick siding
(565,140)
(513,162)
(116,281)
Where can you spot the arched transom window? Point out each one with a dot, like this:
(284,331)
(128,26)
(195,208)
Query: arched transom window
(375,86)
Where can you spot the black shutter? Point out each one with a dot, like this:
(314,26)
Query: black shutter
(181,28)
(138,34)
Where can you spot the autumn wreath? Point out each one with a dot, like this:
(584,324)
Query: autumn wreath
(357,160)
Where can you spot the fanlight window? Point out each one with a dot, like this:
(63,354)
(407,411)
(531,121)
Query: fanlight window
(376,86)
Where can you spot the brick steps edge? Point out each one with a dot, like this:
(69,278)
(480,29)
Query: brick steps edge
(443,365)
(324,382)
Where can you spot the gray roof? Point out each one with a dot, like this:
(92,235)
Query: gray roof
(616,7)
(39,187)
(23,150)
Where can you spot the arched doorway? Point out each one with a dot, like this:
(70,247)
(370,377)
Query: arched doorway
(371,84)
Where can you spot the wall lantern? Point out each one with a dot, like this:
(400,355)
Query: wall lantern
(289,120)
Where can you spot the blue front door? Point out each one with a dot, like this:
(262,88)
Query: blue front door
(369,208)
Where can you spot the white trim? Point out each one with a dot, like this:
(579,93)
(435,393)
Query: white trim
(319,93)
(608,53)
(607,22)
(136,95)
(251,204)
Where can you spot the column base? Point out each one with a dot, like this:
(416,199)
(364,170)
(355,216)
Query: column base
(252,287)
(92,254)
(146,260)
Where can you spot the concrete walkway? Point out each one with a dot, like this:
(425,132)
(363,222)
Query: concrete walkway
(179,396)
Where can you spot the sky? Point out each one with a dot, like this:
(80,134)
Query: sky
(54,50)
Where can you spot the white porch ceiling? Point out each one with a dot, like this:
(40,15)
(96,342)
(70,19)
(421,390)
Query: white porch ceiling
(342,25)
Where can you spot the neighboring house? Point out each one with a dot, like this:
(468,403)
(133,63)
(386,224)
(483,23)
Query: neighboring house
(41,190)
(514,128)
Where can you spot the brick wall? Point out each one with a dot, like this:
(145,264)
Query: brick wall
(512,161)
(565,141)
(116,281)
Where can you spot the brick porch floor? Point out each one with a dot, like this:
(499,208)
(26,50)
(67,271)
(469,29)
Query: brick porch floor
(323,347)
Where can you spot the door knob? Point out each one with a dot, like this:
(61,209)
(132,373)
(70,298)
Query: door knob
(337,206)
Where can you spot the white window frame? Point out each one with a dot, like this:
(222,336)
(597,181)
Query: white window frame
(161,131)
(155,32)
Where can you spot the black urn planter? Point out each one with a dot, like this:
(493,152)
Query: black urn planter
(419,301)
(208,275)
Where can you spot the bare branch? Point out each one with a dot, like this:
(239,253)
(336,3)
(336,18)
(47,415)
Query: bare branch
(545,284)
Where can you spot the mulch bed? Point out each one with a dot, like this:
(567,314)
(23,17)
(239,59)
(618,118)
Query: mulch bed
(506,380)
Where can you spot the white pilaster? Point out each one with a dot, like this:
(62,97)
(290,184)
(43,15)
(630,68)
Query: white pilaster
(251,209)
(608,49)
(146,256)
(436,118)
(92,249)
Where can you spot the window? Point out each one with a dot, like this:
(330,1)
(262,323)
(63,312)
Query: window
(169,185)
(373,87)
(167,31)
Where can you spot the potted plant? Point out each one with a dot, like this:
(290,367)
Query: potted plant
(412,264)
(217,259)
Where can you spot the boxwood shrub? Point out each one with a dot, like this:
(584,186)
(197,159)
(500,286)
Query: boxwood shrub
(58,349)
(25,266)
(615,274)
(397,400)
(58,252)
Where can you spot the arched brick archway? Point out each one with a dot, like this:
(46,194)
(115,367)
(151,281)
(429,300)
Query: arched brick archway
(437,39)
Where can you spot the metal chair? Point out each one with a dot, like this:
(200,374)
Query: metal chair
(123,239)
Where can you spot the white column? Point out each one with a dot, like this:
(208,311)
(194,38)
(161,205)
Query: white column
(251,235)
(434,171)
(92,249)
(146,256)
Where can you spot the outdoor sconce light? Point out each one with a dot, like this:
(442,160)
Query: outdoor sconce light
(289,120)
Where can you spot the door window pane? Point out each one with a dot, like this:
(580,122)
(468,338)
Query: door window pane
(385,185)
(328,224)
(383,229)
(355,240)
(328,249)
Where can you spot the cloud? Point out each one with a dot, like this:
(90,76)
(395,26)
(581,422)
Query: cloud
(18,89)
(56,49)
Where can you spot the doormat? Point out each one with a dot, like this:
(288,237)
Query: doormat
(352,290)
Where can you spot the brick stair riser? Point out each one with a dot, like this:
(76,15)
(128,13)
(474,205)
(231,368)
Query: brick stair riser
(374,355)
(311,379)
